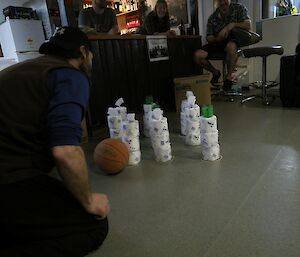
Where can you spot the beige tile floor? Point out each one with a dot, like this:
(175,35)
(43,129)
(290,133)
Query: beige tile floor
(246,204)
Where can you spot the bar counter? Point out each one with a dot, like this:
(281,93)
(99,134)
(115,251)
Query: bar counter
(121,68)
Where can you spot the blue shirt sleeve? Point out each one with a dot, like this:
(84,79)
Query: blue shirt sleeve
(69,91)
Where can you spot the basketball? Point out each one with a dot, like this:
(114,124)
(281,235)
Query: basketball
(111,155)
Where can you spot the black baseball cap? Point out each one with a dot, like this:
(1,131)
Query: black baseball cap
(67,38)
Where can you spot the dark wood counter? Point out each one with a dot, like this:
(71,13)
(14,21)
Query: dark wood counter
(121,68)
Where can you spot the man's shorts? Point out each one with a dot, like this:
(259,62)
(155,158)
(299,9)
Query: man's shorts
(215,50)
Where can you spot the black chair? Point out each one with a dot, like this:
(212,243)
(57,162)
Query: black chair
(262,52)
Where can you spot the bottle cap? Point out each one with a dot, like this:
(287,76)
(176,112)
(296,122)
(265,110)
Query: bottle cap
(149,99)
(207,111)
(154,106)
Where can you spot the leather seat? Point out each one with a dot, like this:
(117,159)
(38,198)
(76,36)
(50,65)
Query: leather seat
(263,51)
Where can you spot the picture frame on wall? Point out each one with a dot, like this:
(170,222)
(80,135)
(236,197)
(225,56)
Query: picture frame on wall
(157,48)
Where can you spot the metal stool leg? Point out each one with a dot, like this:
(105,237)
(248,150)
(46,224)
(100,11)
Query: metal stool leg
(264,86)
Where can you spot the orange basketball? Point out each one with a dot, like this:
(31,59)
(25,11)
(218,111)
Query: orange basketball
(111,155)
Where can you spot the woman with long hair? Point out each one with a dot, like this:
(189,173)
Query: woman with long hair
(158,21)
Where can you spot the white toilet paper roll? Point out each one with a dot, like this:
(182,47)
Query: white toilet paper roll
(163,155)
(157,114)
(146,125)
(157,126)
(182,116)
(122,110)
(112,111)
(162,141)
(193,113)
(147,108)
(183,128)
(131,117)
(209,139)
(211,153)
(183,123)
(146,132)
(183,105)
(130,129)
(193,139)
(115,133)
(192,127)
(134,158)
(159,133)
(133,143)
(208,124)
(146,118)
(114,122)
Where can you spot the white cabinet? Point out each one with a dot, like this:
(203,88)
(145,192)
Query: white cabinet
(21,39)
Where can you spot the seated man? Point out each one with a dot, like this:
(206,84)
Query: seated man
(226,17)
(42,103)
(99,17)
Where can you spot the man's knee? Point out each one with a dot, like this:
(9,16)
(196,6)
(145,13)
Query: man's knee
(231,48)
(91,240)
(200,55)
(101,232)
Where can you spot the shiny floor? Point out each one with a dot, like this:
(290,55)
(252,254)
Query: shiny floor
(246,204)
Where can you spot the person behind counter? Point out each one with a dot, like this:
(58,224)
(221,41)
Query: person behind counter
(99,17)
(42,103)
(158,21)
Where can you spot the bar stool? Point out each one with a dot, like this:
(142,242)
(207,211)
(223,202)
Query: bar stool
(263,52)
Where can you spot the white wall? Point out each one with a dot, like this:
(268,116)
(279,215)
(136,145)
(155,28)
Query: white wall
(40,6)
(204,11)
(284,31)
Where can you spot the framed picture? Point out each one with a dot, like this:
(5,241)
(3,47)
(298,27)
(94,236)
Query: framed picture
(157,48)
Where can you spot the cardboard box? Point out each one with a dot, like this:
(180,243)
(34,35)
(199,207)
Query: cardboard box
(199,85)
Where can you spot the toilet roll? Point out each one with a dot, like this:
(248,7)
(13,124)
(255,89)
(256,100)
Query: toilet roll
(164,133)
(158,126)
(193,139)
(146,123)
(209,139)
(130,117)
(161,142)
(114,122)
(211,153)
(134,158)
(115,133)
(131,128)
(192,127)
(182,116)
(133,143)
(183,123)
(183,128)
(122,111)
(147,108)
(112,111)
(208,124)
(183,105)
(193,113)
(157,114)
(163,155)
(146,132)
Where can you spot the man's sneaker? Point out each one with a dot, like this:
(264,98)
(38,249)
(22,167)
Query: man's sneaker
(246,88)
(227,85)
(215,79)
